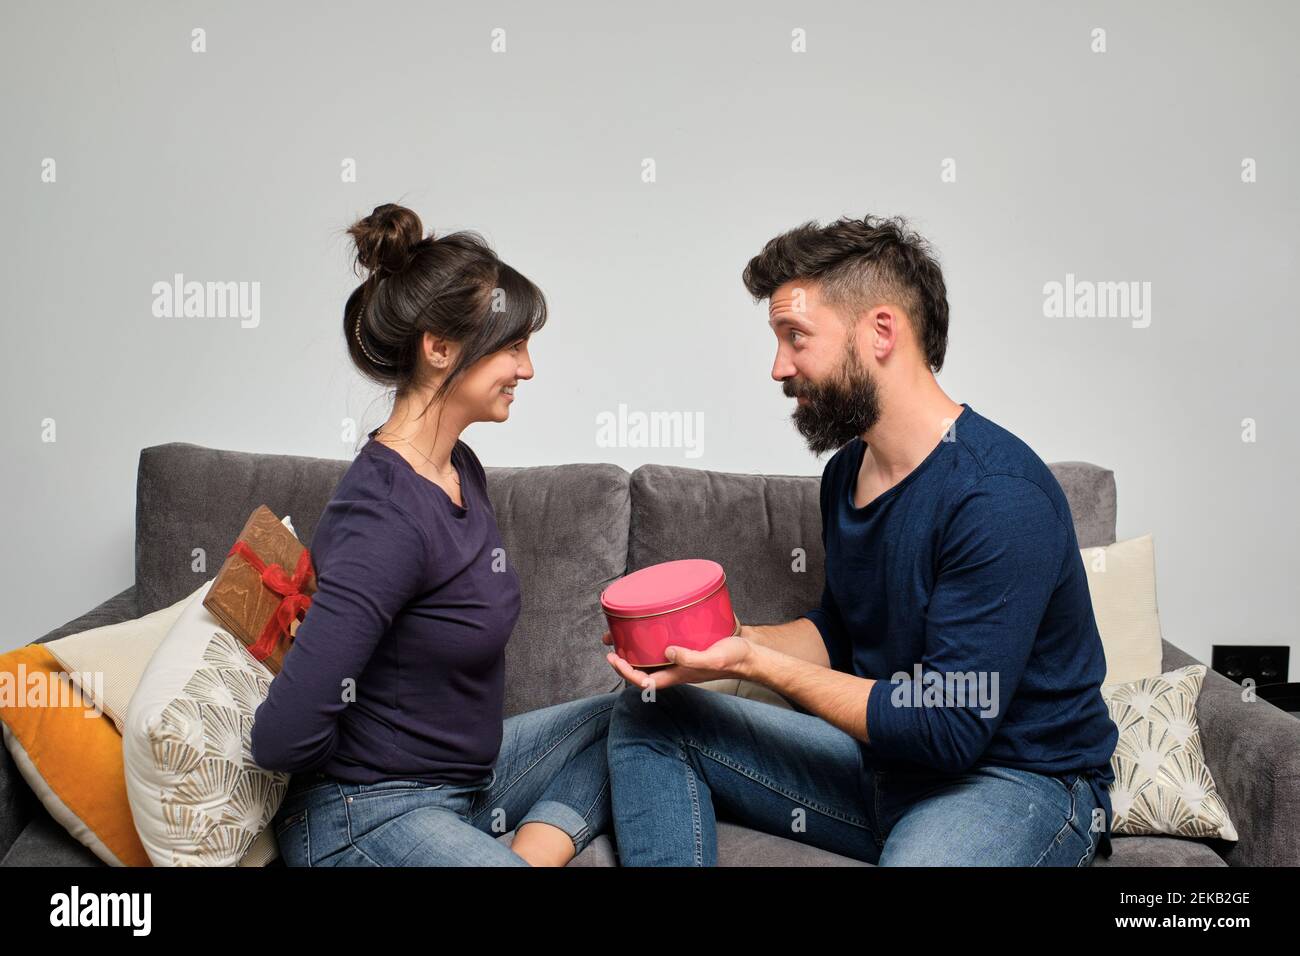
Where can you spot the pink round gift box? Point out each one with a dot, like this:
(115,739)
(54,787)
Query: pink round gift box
(684,603)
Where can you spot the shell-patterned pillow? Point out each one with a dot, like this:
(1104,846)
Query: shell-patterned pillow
(1162,784)
(196,795)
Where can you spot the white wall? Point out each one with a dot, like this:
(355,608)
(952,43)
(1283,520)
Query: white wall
(225,166)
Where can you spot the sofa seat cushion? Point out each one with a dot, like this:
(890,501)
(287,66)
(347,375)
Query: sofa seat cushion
(1159,851)
(737,846)
(740,846)
(46,842)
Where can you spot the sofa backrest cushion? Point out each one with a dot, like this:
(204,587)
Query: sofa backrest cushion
(192,502)
(564,527)
(765,530)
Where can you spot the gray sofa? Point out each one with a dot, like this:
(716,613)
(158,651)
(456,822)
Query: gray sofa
(570,530)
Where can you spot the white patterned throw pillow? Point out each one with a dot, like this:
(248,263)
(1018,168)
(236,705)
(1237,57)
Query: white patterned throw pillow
(1162,785)
(196,795)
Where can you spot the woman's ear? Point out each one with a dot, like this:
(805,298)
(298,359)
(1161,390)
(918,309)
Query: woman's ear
(439,352)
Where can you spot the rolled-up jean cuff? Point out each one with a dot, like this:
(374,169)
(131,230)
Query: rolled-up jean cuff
(563,816)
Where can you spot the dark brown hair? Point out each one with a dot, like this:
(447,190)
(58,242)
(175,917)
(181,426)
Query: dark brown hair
(859,264)
(453,286)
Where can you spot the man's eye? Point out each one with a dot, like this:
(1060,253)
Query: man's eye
(793,333)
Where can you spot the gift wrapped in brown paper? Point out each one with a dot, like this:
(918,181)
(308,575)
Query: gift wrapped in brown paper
(264,588)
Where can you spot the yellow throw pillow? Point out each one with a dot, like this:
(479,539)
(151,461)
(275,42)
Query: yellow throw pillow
(69,753)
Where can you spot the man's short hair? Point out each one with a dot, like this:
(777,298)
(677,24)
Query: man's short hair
(858,264)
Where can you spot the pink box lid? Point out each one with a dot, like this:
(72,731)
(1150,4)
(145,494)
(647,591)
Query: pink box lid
(662,587)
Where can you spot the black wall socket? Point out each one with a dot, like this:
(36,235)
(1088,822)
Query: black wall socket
(1264,663)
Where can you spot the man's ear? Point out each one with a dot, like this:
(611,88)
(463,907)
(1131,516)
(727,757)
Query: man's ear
(878,332)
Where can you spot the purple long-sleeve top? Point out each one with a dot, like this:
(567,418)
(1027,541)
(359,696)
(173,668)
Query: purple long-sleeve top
(398,669)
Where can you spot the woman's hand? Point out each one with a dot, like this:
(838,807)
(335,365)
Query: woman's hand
(726,658)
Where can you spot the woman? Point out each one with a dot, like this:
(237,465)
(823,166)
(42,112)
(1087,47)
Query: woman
(388,709)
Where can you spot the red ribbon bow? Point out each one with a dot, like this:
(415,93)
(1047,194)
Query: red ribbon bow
(294,603)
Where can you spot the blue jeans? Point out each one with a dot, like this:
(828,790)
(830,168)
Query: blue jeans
(551,768)
(692,753)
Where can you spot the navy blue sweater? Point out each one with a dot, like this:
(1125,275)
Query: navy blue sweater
(967,568)
(398,669)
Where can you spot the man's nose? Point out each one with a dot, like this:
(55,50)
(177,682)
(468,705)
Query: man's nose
(782,368)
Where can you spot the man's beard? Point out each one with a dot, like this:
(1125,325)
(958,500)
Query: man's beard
(837,410)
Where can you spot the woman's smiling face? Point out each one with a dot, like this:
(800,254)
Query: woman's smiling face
(486,390)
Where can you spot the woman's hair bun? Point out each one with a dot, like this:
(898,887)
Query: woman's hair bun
(385,238)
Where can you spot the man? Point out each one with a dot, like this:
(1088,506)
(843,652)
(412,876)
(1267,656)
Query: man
(948,686)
